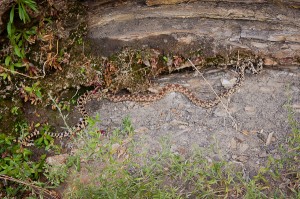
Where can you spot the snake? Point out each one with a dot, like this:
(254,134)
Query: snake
(104,94)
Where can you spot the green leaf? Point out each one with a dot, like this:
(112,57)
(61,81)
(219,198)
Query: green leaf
(21,12)
(46,142)
(26,16)
(31,4)
(4,75)
(7,60)
(20,43)
(17,38)
(17,51)
(18,65)
(23,52)
(39,141)
(9,29)
(43,157)
(12,15)
(28,89)
(36,84)
(12,68)
(38,94)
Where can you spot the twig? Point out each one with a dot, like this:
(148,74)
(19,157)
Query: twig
(77,89)
(60,112)
(50,194)
(22,74)
(225,107)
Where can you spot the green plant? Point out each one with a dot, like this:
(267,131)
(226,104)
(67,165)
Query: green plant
(45,139)
(64,105)
(123,172)
(15,160)
(32,93)
(55,174)
(15,110)
(127,126)
(21,128)
(19,37)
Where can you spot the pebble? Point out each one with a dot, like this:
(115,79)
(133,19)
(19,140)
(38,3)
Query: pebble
(233,143)
(263,154)
(228,83)
(250,109)
(296,107)
(242,158)
(269,62)
(57,159)
(243,147)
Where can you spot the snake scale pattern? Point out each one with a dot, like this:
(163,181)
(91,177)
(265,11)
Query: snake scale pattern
(83,99)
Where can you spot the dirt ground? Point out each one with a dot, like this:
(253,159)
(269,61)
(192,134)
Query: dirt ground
(238,135)
(254,113)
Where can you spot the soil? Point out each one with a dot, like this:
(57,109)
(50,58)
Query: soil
(245,129)
(237,135)
(236,130)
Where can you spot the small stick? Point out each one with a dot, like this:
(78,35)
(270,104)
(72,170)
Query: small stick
(60,112)
(225,107)
(50,194)
(22,74)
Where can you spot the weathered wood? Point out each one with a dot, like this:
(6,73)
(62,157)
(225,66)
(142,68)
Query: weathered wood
(215,27)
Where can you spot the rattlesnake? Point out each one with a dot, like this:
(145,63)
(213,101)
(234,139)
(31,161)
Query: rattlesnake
(83,99)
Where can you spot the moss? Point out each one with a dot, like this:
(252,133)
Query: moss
(218,59)
(11,113)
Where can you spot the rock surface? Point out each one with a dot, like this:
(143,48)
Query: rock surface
(213,27)
(239,134)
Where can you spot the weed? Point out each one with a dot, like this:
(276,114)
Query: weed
(123,172)
(45,140)
(15,160)
(19,37)
(55,174)
(32,93)
(15,110)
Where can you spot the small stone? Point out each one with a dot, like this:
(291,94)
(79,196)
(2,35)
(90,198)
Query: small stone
(243,147)
(57,159)
(263,154)
(250,109)
(182,127)
(228,83)
(141,130)
(296,107)
(269,62)
(233,143)
(269,139)
(242,158)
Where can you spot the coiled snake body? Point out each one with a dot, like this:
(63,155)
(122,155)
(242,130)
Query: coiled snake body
(83,99)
